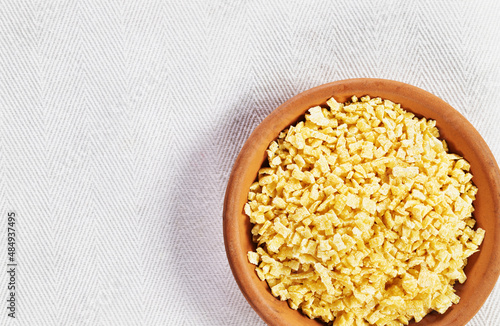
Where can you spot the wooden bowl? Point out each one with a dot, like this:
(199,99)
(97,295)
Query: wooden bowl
(483,268)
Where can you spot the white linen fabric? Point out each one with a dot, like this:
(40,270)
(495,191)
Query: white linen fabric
(120,122)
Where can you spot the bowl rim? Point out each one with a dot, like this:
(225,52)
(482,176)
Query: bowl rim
(238,261)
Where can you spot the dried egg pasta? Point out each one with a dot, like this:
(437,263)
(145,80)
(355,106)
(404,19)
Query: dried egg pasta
(362,216)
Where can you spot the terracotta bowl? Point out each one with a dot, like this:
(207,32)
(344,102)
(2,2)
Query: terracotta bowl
(483,267)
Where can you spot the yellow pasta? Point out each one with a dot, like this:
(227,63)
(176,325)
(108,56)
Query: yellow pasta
(362,216)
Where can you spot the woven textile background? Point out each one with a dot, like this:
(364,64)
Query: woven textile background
(120,122)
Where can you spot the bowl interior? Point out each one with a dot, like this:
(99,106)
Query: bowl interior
(483,267)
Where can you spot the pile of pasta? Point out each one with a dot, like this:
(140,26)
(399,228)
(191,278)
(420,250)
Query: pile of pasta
(362,216)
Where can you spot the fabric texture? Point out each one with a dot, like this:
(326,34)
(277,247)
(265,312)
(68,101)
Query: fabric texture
(120,122)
